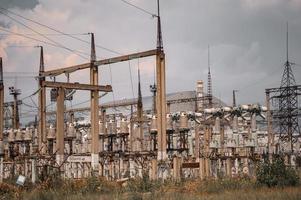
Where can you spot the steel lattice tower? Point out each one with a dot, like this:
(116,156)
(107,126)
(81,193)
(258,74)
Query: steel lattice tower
(209,87)
(285,102)
(288,102)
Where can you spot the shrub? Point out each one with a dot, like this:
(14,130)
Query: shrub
(276,174)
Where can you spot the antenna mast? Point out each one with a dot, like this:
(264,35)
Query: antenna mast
(209,88)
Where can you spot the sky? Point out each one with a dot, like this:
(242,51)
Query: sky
(247,40)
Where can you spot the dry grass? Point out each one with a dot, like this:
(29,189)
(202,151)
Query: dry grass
(99,189)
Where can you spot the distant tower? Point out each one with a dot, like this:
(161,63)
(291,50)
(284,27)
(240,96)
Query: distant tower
(15,93)
(140,113)
(209,87)
(234,98)
(200,96)
(140,105)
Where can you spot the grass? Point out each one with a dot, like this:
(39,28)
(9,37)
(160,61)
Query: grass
(143,188)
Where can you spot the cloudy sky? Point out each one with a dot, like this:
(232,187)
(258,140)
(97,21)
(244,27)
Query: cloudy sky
(246,38)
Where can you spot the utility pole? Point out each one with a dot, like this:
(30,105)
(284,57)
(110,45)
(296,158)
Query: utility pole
(94,108)
(42,105)
(140,112)
(161,91)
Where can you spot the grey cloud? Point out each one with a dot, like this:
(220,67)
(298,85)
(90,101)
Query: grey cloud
(21,4)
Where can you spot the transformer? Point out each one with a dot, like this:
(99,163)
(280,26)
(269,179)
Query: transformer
(11,135)
(28,134)
(169,123)
(235,124)
(18,137)
(213,144)
(217,125)
(231,144)
(112,127)
(51,133)
(183,121)
(153,124)
(71,131)
(249,143)
(124,126)
(101,128)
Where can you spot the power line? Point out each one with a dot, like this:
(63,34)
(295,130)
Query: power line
(42,41)
(139,8)
(51,34)
(58,31)
(57,43)
(131,78)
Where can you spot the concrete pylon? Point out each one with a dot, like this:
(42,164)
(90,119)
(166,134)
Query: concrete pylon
(202,168)
(176,168)
(94,109)
(154,169)
(60,131)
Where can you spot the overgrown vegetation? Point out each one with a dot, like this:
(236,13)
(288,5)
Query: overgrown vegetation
(276,173)
(269,175)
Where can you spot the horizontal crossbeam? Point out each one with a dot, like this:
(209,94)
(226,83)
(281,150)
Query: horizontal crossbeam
(77,86)
(117,59)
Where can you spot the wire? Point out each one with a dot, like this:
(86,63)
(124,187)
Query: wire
(48,43)
(58,31)
(111,80)
(57,43)
(6,72)
(139,8)
(18,46)
(50,34)
(259,81)
(131,77)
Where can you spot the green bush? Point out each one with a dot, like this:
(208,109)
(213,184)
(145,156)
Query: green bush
(276,173)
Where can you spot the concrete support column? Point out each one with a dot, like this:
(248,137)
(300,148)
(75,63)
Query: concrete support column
(154,169)
(270,127)
(229,167)
(177,168)
(94,109)
(33,171)
(1,119)
(161,105)
(42,107)
(60,126)
(197,143)
(202,168)
(1,169)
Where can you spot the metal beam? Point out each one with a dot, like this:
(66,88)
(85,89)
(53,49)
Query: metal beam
(101,107)
(77,86)
(117,59)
